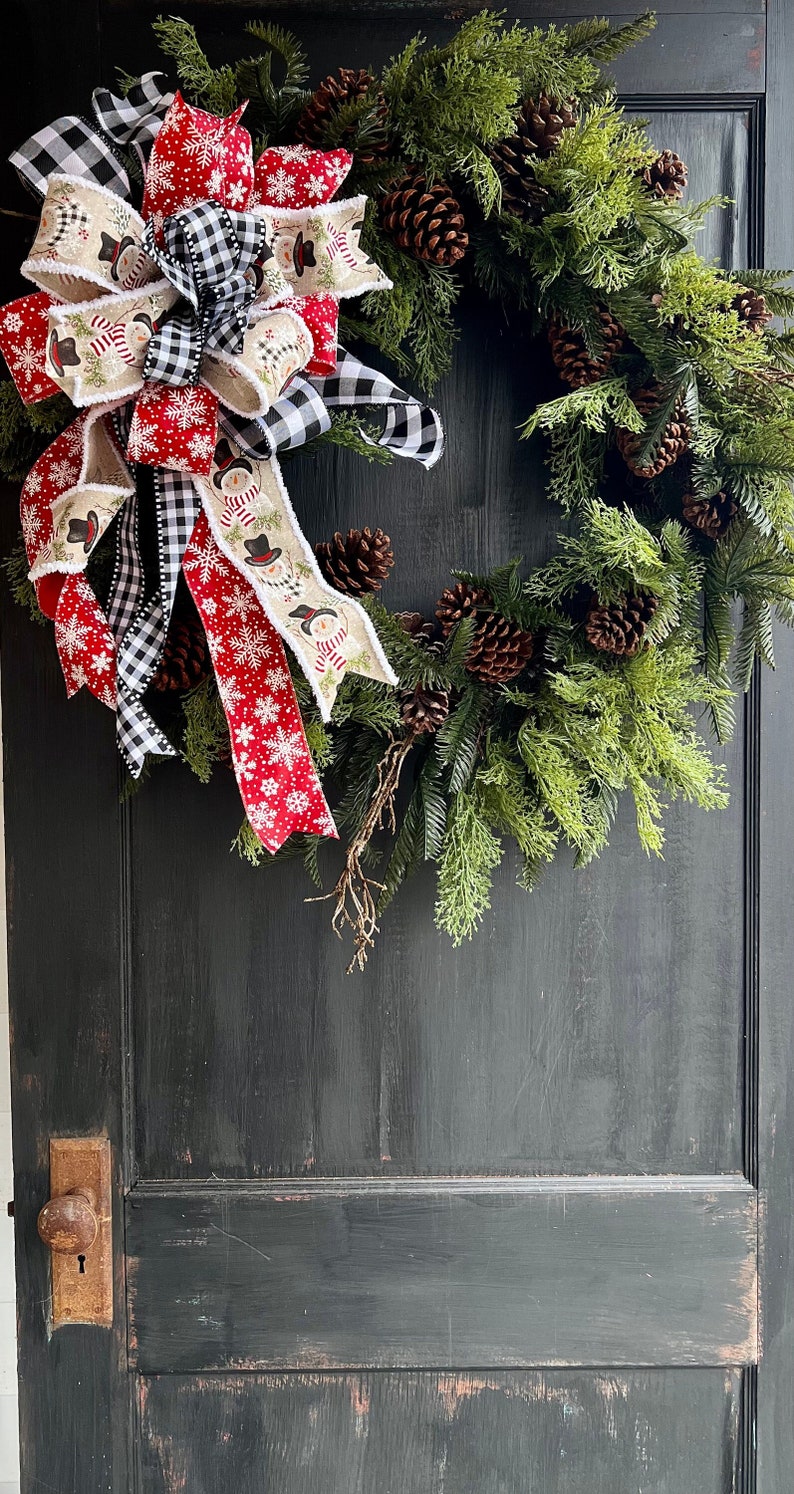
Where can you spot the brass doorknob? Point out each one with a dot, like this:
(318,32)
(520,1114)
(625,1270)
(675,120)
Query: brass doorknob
(69,1224)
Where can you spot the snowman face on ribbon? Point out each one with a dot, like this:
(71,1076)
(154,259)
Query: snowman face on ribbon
(236,480)
(138,333)
(294,254)
(126,259)
(322,625)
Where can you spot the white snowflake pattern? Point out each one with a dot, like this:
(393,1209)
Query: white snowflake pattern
(277,679)
(269,787)
(203,145)
(245,734)
(230,692)
(317,185)
(33,482)
(73,438)
(240,603)
(287,747)
(101,662)
(210,606)
(261,817)
(250,646)
(71,636)
(236,194)
(206,561)
(216,642)
(280,186)
(201,445)
(245,764)
(292,152)
(187,409)
(64,473)
(297,801)
(142,441)
(266,711)
(26,358)
(32,521)
(159,175)
(216,181)
(79,676)
(13,321)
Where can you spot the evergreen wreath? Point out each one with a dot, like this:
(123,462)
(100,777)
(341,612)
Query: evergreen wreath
(529,702)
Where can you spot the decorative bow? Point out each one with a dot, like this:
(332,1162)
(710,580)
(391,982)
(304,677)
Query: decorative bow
(201,310)
(209,255)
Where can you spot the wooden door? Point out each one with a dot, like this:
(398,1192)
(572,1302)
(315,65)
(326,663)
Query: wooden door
(480,1223)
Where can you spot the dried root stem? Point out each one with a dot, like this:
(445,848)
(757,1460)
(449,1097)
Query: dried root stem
(356,895)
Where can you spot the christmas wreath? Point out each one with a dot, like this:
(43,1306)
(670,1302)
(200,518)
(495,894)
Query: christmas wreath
(170,351)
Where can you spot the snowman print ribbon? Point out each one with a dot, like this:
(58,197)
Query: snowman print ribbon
(198,338)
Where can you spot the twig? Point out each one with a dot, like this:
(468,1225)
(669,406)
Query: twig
(354,893)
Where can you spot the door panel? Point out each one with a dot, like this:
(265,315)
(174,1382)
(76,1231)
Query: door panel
(538,1151)
(356,1276)
(664,1432)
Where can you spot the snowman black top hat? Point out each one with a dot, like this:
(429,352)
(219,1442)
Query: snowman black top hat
(63,352)
(112,250)
(308,614)
(260,552)
(226,461)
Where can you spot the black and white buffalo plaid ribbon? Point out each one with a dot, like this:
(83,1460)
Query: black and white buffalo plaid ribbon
(141,646)
(207,255)
(95,149)
(410,429)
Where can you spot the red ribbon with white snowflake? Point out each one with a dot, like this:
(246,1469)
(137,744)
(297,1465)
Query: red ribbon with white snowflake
(90,328)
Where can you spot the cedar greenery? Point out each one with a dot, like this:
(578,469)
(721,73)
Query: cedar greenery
(542,761)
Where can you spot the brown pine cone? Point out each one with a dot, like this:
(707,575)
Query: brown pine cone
(619,627)
(185,662)
(674,442)
(751,308)
(425,220)
(666,176)
(712,516)
(569,351)
(539,126)
(416,626)
(356,563)
(347,87)
(538,131)
(425,708)
(499,648)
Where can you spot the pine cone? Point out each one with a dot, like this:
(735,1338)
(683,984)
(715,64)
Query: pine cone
(357,563)
(569,351)
(751,308)
(416,626)
(674,442)
(185,661)
(619,627)
(539,126)
(425,708)
(499,648)
(425,220)
(666,176)
(712,516)
(347,87)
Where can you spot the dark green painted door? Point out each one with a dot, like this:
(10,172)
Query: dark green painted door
(474,1223)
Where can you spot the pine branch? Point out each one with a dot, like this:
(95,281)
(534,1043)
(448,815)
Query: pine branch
(213,88)
(273,107)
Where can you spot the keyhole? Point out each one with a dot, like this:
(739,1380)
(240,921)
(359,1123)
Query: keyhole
(81,1264)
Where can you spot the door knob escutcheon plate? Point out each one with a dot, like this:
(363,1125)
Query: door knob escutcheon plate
(82,1278)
